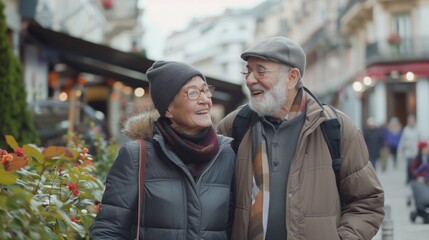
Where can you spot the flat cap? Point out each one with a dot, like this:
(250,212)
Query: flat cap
(278,49)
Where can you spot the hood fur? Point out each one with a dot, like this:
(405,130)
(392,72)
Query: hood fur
(141,125)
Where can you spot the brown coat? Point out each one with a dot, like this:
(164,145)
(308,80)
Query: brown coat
(313,209)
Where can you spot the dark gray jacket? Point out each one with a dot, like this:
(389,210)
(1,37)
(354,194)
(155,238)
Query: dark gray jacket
(174,205)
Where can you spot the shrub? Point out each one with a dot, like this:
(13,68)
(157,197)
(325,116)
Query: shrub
(52,192)
(15,118)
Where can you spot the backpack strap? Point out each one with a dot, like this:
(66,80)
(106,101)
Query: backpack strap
(142,171)
(331,129)
(242,122)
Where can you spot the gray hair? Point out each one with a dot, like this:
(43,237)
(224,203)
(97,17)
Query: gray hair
(287,68)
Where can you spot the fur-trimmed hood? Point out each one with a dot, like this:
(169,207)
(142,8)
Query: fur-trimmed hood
(141,126)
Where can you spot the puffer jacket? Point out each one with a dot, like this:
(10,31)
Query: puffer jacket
(313,209)
(174,205)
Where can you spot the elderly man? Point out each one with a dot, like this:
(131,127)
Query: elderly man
(285,184)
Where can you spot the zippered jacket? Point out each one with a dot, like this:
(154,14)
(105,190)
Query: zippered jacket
(175,206)
(314,210)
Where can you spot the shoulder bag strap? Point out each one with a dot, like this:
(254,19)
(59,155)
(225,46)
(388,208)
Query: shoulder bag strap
(142,170)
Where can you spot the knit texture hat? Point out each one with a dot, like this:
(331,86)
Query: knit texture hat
(422,144)
(166,78)
(278,49)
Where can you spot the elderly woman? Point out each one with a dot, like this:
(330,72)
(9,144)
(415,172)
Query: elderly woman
(189,169)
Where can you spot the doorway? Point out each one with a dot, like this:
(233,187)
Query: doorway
(401,101)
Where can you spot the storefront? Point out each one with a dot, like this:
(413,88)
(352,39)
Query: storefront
(396,89)
(104,78)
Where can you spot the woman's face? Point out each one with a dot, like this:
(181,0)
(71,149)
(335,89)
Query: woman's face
(190,116)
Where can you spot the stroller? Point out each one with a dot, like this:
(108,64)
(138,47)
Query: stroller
(420,190)
(418,177)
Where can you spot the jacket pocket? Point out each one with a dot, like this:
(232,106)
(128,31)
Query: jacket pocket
(164,204)
(317,228)
(318,192)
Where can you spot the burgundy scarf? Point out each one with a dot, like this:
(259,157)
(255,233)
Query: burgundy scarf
(195,154)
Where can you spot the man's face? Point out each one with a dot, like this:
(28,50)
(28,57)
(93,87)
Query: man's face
(267,83)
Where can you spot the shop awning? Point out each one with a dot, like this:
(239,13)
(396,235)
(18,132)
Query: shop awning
(85,56)
(129,68)
(380,71)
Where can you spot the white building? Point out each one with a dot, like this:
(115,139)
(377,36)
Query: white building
(370,58)
(214,44)
(389,41)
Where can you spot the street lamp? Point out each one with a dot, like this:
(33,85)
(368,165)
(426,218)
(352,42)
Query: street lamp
(367,81)
(357,86)
(139,92)
(410,76)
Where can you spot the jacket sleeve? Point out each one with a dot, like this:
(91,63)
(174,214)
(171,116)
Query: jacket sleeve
(421,168)
(361,192)
(117,217)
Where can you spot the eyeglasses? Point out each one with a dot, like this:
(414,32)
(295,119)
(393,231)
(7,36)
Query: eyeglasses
(194,93)
(258,74)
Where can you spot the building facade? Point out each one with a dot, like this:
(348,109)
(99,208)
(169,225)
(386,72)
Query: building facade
(369,58)
(214,44)
(88,52)
(389,42)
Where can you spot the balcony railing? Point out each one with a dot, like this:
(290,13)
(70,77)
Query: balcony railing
(313,40)
(347,7)
(407,48)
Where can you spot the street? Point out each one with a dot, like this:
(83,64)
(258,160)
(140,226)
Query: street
(396,192)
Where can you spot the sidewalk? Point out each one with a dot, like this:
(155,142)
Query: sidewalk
(396,192)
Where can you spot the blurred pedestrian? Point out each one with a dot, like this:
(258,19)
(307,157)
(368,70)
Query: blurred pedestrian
(374,140)
(408,144)
(419,182)
(392,136)
(419,167)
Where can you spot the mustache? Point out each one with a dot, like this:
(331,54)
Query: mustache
(257,88)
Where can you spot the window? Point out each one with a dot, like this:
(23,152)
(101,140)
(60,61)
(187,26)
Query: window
(401,25)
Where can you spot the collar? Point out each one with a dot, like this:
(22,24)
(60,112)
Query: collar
(298,107)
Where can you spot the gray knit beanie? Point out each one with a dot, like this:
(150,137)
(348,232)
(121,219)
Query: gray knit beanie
(166,78)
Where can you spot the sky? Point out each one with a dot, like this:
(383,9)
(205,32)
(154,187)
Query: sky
(162,17)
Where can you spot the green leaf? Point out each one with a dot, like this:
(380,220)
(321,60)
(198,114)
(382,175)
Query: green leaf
(70,154)
(77,227)
(3,200)
(35,235)
(7,178)
(33,152)
(11,141)
(18,199)
(74,174)
(53,151)
(26,173)
(87,221)
(84,177)
(60,227)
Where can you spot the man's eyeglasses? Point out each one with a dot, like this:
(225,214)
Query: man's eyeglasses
(194,93)
(258,74)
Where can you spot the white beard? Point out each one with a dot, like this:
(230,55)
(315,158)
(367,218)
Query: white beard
(271,101)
